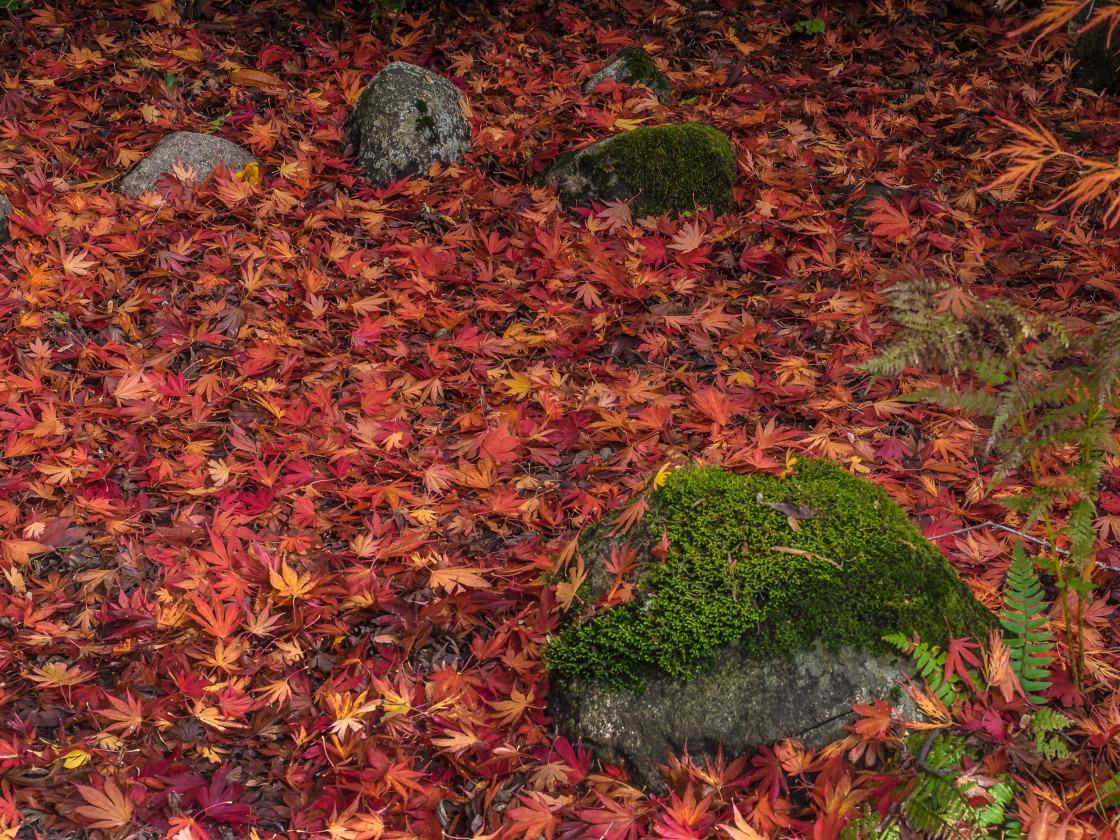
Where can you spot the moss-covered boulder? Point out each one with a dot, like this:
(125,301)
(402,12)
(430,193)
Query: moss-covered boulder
(632,66)
(406,119)
(757,613)
(1098,62)
(657,169)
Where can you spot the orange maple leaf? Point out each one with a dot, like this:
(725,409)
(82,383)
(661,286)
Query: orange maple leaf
(108,808)
(956,301)
(631,516)
(688,238)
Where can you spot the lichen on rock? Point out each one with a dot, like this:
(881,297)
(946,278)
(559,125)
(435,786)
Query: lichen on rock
(657,169)
(631,65)
(406,119)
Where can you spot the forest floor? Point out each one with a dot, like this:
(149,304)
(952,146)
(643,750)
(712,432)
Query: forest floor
(288,461)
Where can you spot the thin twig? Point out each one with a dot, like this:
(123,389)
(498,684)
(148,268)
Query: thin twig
(989,523)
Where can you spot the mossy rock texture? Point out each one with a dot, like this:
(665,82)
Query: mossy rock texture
(633,66)
(743,627)
(656,169)
(406,119)
(1098,62)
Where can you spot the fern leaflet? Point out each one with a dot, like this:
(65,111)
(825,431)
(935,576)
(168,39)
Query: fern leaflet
(1024,616)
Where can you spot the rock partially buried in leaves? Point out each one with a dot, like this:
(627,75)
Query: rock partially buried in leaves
(657,169)
(1098,60)
(758,611)
(860,209)
(201,152)
(5,209)
(406,119)
(631,65)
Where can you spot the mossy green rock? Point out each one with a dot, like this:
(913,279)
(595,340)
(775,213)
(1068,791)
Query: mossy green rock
(631,65)
(745,628)
(1098,62)
(657,169)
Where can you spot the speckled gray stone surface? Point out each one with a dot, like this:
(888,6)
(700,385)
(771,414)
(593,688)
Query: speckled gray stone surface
(5,209)
(743,702)
(406,119)
(201,152)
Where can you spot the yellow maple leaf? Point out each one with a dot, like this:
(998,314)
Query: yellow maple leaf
(425,517)
(162,11)
(74,758)
(661,476)
(250,173)
(628,125)
(289,584)
(519,385)
(452,580)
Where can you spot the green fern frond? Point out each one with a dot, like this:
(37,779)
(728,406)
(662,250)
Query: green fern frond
(1024,616)
(930,663)
(1082,531)
(1109,792)
(1048,726)
(939,806)
(936,808)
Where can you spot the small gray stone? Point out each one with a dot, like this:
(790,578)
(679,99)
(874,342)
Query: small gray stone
(201,152)
(872,190)
(631,65)
(406,119)
(5,209)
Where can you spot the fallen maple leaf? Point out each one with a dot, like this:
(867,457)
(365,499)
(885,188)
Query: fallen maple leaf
(108,808)
(18,552)
(56,674)
(742,830)
(252,78)
(688,238)
(997,666)
(631,516)
(955,300)
(454,580)
(289,584)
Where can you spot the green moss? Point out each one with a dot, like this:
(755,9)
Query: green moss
(640,69)
(1097,61)
(426,122)
(721,580)
(670,168)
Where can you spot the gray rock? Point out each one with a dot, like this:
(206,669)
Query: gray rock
(631,65)
(656,169)
(859,209)
(743,702)
(406,119)
(5,209)
(201,152)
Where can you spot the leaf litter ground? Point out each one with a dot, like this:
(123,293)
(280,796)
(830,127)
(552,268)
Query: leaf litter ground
(286,459)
